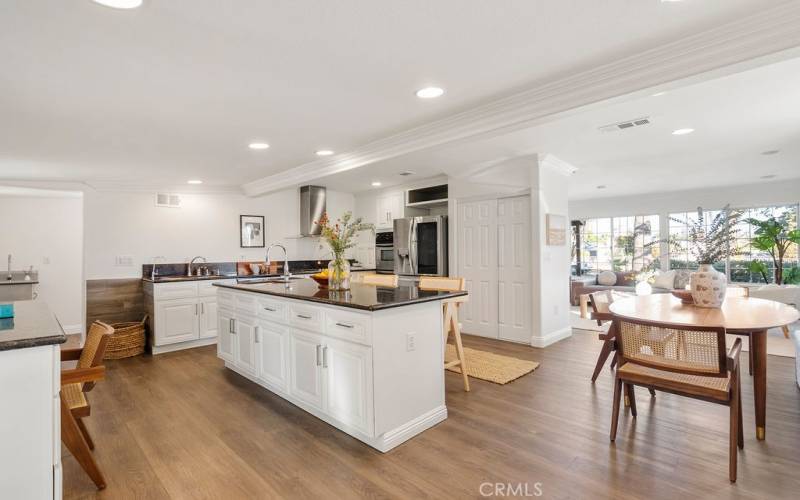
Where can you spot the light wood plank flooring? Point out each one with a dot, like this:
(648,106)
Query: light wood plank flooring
(181,426)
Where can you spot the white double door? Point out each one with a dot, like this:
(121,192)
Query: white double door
(494,258)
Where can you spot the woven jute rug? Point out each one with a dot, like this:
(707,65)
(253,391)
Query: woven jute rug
(489,366)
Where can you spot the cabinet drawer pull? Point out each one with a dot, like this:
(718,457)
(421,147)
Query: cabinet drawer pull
(303,316)
(325,357)
(232,325)
(344,325)
(269,309)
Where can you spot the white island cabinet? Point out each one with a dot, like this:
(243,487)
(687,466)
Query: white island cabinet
(374,374)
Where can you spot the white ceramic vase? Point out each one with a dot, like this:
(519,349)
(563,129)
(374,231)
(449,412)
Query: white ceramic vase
(708,286)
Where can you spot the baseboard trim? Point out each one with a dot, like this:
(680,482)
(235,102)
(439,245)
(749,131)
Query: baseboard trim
(400,435)
(551,338)
(183,345)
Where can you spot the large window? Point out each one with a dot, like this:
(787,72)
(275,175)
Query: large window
(742,252)
(619,243)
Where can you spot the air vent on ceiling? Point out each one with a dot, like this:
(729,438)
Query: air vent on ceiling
(638,122)
(168,200)
(406,173)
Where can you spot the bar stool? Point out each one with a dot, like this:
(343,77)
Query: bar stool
(450,309)
(388,280)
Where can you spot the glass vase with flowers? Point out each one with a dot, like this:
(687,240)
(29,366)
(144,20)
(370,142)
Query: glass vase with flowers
(339,236)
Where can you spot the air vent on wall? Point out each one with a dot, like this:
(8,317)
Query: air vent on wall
(638,122)
(168,200)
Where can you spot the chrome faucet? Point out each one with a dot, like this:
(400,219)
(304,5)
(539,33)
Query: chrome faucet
(286,274)
(9,276)
(191,262)
(154,270)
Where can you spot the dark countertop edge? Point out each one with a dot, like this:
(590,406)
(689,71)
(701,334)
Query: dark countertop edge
(19,282)
(242,288)
(179,279)
(10,345)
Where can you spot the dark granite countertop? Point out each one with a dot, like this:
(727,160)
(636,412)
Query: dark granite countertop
(360,296)
(177,278)
(33,324)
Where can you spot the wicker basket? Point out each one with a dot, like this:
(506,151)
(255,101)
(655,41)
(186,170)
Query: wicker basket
(127,341)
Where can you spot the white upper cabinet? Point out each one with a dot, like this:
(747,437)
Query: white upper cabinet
(389,206)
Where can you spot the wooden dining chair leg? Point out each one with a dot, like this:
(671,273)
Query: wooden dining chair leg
(632,398)
(734,432)
(73,439)
(85,433)
(460,349)
(652,392)
(741,422)
(608,348)
(613,362)
(785,329)
(615,408)
(750,354)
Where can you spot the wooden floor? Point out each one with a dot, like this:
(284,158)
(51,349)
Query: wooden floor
(182,426)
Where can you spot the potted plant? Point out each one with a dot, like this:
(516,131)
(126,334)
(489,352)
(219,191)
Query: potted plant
(709,245)
(774,235)
(339,236)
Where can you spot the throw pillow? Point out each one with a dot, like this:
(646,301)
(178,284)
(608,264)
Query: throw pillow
(607,278)
(665,280)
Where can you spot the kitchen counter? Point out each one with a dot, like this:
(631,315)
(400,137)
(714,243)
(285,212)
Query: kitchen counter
(179,278)
(33,324)
(360,296)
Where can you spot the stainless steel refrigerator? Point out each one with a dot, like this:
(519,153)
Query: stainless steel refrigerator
(420,246)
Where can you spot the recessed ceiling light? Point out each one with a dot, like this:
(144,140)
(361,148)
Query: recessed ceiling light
(657,94)
(120,4)
(768,176)
(194,181)
(771,152)
(601,186)
(324,152)
(376,183)
(430,92)
(258,145)
(682,131)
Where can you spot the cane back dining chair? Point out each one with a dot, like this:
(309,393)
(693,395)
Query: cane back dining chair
(700,369)
(75,383)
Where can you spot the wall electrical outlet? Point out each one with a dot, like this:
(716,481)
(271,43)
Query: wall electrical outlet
(124,260)
(411,341)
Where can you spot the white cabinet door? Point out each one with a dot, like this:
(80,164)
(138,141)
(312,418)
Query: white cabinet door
(382,213)
(477,264)
(208,317)
(514,268)
(271,346)
(349,383)
(244,338)
(225,338)
(390,206)
(305,360)
(176,321)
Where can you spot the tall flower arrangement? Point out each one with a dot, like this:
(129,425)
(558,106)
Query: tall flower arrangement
(339,236)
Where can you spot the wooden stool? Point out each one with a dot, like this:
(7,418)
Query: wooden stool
(385,280)
(450,310)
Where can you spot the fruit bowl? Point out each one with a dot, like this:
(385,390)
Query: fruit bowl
(322,280)
(684,295)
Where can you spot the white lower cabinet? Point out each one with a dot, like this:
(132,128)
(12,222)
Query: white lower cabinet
(347,368)
(244,337)
(305,359)
(208,318)
(271,347)
(177,320)
(225,335)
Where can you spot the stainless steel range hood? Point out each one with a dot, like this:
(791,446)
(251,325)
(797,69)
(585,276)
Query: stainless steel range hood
(312,206)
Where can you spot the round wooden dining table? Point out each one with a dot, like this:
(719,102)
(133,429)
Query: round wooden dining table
(739,315)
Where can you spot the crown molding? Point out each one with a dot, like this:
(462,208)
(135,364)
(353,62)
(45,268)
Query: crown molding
(557,164)
(159,187)
(768,36)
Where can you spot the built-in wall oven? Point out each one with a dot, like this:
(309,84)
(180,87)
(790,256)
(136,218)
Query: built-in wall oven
(420,246)
(384,251)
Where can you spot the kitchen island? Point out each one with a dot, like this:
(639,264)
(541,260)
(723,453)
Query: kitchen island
(368,361)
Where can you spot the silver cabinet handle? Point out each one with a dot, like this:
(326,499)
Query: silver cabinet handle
(319,355)
(269,309)
(325,357)
(233,325)
(257,332)
(303,316)
(195,309)
(344,325)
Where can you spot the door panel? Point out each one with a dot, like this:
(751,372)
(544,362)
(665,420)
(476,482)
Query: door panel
(306,367)
(477,264)
(271,344)
(208,317)
(349,379)
(176,321)
(514,269)
(225,336)
(244,342)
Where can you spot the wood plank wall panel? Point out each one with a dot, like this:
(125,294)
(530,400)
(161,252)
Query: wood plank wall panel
(114,300)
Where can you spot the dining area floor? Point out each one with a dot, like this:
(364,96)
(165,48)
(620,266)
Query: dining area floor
(180,425)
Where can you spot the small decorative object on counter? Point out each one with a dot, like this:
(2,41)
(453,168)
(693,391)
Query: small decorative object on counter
(339,237)
(711,242)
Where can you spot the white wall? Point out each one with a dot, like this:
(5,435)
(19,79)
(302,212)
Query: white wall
(757,194)
(45,230)
(129,224)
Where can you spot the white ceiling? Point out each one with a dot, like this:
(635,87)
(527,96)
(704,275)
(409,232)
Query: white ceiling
(175,90)
(735,118)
